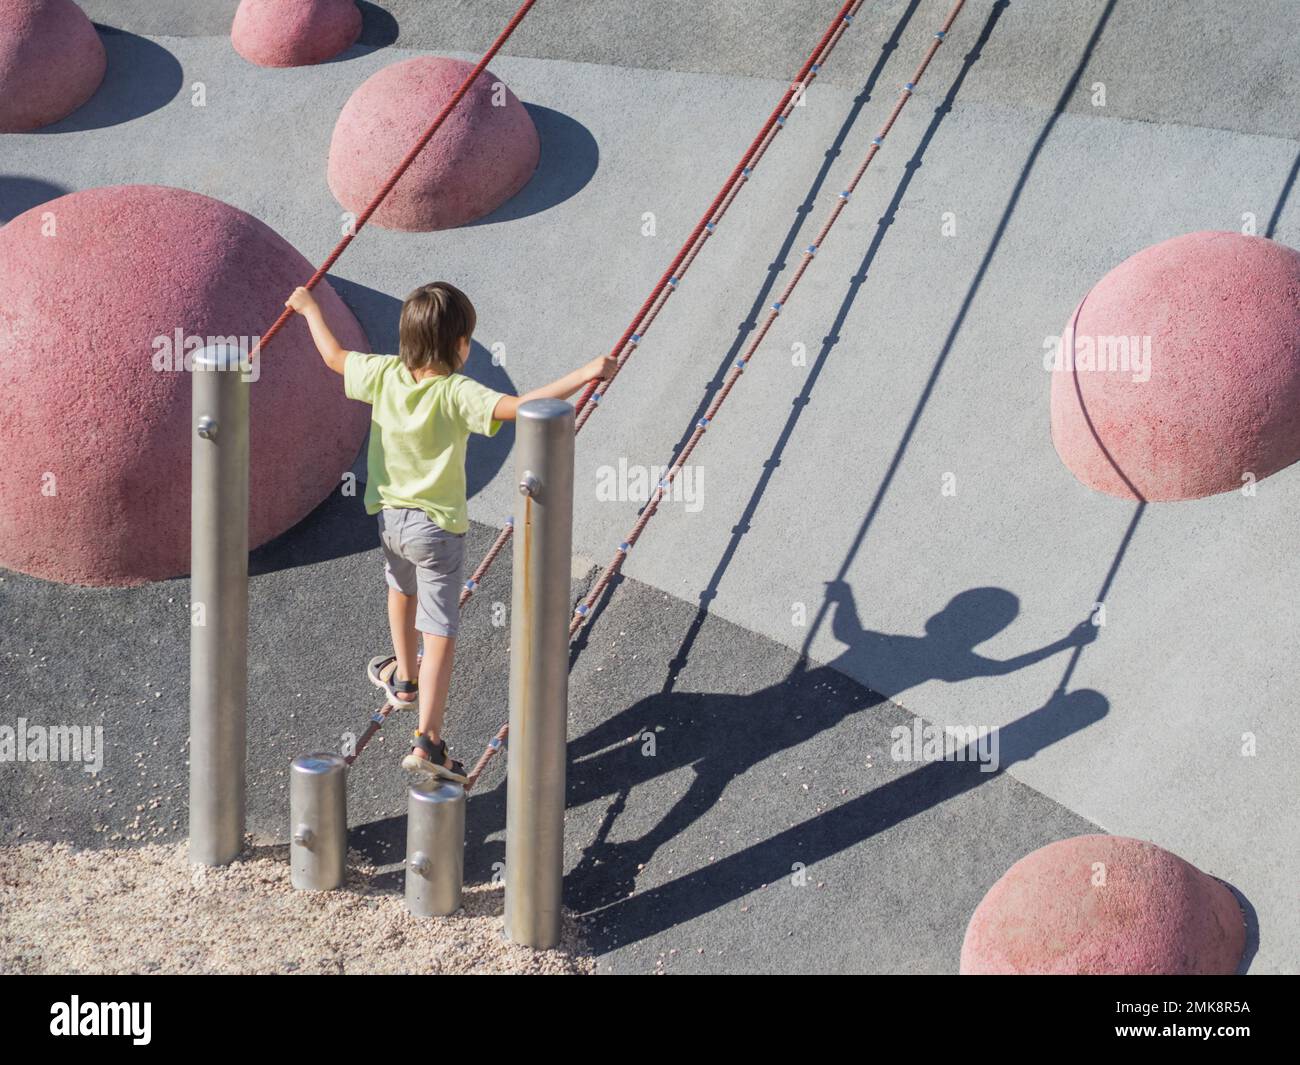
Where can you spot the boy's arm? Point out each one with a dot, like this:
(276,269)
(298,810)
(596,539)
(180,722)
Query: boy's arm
(1079,636)
(334,354)
(603,369)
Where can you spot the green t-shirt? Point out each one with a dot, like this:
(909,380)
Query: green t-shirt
(418,432)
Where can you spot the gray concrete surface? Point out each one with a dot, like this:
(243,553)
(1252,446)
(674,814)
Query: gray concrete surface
(923,353)
(1194,62)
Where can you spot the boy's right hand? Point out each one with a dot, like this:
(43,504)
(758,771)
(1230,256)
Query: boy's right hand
(601,369)
(301,301)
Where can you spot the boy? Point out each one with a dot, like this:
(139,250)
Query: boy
(423,412)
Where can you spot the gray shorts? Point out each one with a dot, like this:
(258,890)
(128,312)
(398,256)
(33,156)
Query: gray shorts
(424,560)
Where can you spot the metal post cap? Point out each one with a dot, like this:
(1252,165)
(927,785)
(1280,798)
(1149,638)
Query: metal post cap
(543,410)
(319,764)
(437,793)
(219,357)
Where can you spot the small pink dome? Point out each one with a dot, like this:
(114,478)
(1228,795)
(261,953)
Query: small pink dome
(294,33)
(1104,905)
(483,154)
(1188,370)
(94,419)
(51,62)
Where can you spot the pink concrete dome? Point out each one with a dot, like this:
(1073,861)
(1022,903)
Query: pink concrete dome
(482,155)
(94,422)
(294,33)
(51,62)
(1104,905)
(1219,315)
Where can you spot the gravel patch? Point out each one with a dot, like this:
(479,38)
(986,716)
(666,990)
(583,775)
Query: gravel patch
(147,910)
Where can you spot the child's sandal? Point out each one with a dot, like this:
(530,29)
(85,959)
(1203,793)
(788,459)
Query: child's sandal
(393,687)
(433,765)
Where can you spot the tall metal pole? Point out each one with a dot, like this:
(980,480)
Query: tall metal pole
(539,673)
(218,605)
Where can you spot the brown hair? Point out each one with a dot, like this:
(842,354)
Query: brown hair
(435,318)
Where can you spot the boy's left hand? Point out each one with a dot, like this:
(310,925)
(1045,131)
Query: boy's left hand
(301,301)
(601,369)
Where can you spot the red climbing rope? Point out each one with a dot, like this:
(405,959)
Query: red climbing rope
(704,228)
(654,303)
(377,718)
(774,312)
(652,506)
(402,167)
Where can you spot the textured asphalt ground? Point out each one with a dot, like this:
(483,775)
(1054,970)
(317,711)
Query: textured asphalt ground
(769,830)
(923,359)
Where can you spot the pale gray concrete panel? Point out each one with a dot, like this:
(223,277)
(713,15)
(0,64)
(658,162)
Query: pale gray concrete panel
(1191,62)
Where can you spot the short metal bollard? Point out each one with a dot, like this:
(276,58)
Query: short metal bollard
(435,849)
(318,822)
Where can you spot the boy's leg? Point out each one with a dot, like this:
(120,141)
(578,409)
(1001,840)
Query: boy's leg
(435,679)
(440,565)
(401,624)
(403,585)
